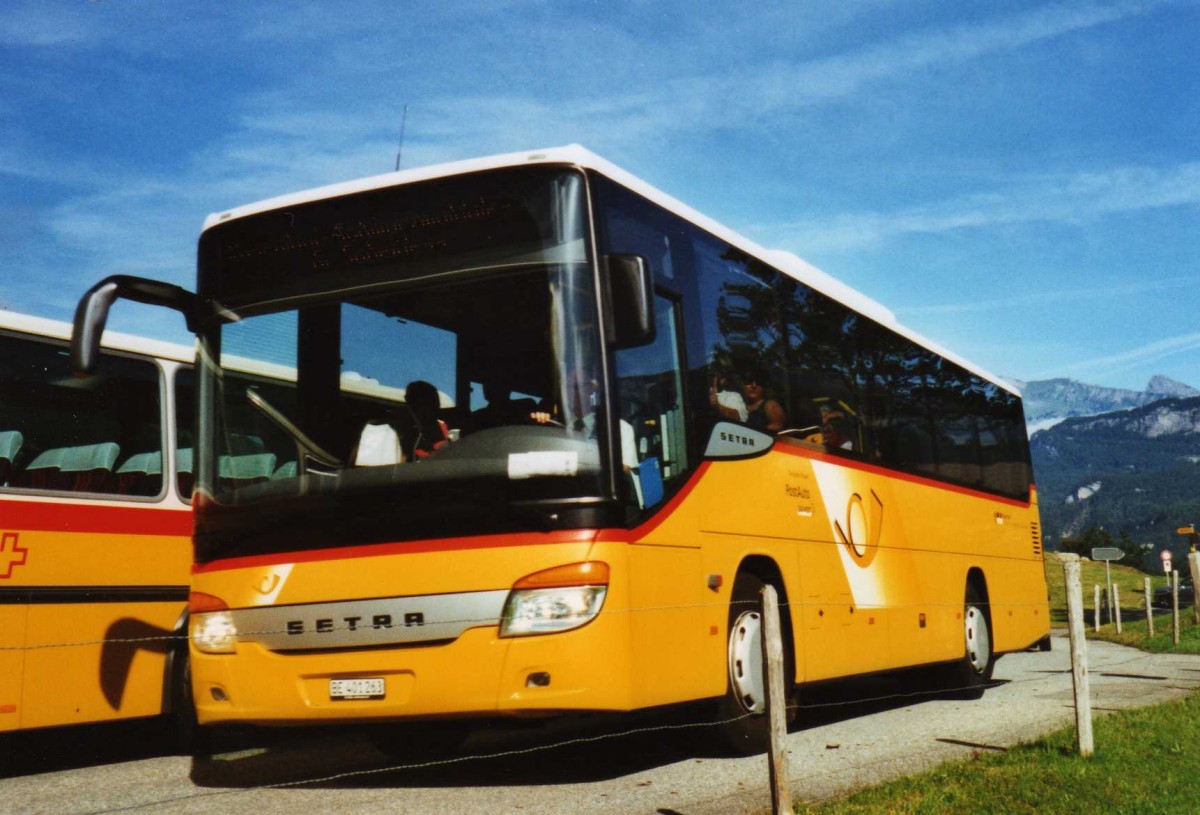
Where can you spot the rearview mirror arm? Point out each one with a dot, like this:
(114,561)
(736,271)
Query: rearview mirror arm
(91,314)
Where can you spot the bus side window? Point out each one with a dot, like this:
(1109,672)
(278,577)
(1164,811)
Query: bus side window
(10,447)
(65,434)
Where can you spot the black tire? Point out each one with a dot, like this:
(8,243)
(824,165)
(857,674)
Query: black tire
(741,713)
(188,738)
(969,677)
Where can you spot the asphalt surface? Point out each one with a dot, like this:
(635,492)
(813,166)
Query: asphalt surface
(848,737)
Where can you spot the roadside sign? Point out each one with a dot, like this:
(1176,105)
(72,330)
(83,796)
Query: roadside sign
(1166,554)
(1190,529)
(1108,553)
(1166,559)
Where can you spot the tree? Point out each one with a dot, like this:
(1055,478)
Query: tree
(1093,537)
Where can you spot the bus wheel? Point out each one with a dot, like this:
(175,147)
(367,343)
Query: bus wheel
(741,711)
(187,737)
(970,676)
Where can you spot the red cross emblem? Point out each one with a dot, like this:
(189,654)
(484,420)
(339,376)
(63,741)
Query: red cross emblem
(11,554)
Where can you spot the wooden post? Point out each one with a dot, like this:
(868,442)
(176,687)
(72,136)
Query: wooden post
(1108,589)
(781,795)
(1116,598)
(1149,611)
(1175,605)
(1194,566)
(1096,616)
(1079,669)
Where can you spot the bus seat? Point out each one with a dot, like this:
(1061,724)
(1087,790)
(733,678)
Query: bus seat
(241,471)
(86,468)
(285,470)
(141,474)
(10,448)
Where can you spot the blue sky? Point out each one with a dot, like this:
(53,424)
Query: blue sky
(1017,181)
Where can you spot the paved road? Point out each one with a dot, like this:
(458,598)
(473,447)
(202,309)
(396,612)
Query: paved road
(667,769)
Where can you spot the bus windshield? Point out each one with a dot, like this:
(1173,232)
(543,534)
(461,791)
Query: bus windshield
(445,371)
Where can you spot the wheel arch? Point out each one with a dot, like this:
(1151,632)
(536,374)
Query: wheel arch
(767,570)
(176,658)
(977,580)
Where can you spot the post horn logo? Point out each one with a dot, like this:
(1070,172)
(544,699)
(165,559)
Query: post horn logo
(863,525)
(267,584)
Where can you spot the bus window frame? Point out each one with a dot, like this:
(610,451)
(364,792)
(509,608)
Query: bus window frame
(165,405)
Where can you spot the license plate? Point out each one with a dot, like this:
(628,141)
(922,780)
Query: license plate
(356,688)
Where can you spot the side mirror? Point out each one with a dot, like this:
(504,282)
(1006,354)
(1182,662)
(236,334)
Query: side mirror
(92,312)
(630,300)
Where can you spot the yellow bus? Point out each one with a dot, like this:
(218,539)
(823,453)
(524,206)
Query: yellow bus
(600,423)
(95,527)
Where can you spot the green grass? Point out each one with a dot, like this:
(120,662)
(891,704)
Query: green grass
(1133,609)
(1130,581)
(1163,641)
(1147,761)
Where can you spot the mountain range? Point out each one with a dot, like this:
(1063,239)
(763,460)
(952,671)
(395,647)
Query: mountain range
(1049,401)
(1125,461)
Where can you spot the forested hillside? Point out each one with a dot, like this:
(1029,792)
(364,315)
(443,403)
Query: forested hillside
(1135,472)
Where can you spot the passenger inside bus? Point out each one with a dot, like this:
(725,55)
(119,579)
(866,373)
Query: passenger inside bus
(584,393)
(763,412)
(835,427)
(501,409)
(726,399)
(429,434)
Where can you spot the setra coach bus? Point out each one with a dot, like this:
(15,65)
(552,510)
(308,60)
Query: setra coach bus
(95,528)
(597,423)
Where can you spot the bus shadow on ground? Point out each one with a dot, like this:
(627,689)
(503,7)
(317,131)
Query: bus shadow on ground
(504,755)
(71,748)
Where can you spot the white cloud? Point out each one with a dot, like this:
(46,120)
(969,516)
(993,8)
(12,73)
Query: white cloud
(1110,364)
(1041,297)
(1077,198)
(42,25)
(335,115)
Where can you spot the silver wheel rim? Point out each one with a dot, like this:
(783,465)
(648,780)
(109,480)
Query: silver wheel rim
(979,640)
(746,662)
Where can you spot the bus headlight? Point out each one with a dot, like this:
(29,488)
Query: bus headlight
(211,625)
(557,599)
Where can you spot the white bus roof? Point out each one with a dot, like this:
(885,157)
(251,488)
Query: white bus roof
(56,329)
(576,155)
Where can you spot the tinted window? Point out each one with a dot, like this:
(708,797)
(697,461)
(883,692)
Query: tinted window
(773,353)
(99,434)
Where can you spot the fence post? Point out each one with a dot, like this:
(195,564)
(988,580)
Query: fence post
(1149,611)
(781,795)
(1096,616)
(1116,598)
(1079,669)
(1175,605)
(1194,566)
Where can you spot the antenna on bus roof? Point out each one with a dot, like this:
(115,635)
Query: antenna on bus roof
(400,148)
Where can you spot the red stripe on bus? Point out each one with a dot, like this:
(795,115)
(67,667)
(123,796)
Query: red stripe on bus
(402,547)
(655,520)
(862,466)
(43,516)
(577,535)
